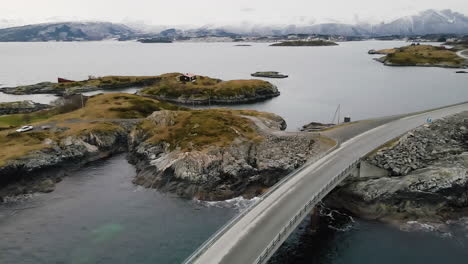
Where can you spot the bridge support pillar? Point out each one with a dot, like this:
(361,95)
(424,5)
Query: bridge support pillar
(314,219)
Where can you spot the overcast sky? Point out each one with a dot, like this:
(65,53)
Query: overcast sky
(217,12)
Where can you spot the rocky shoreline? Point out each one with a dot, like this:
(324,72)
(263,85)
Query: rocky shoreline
(39,170)
(21,107)
(441,65)
(79,87)
(244,167)
(423,177)
(241,99)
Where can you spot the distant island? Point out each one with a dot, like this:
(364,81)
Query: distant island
(72,87)
(300,43)
(155,40)
(195,89)
(269,74)
(171,87)
(421,55)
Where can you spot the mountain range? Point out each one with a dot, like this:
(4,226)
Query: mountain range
(426,22)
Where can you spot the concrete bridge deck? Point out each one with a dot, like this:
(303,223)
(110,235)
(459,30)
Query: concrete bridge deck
(255,235)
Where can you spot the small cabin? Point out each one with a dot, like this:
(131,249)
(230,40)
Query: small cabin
(187,77)
(62,80)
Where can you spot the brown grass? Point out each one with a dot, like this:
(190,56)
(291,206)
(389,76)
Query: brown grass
(424,54)
(205,87)
(198,129)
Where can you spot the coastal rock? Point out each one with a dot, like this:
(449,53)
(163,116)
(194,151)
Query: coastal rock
(315,126)
(427,176)
(21,107)
(38,170)
(269,74)
(217,173)
(261,94)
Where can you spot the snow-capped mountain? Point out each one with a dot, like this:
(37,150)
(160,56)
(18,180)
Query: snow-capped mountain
(427,22)
(68,31)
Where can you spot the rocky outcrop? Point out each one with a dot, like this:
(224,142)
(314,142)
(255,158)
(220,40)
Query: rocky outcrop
(21,107)
(36,170)
(315,126)
(217,173)
(261,94)
(269,74)
(38,88)
(77,87)
(427,176)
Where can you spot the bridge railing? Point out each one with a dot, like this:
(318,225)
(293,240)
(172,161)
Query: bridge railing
(299,216)
(236,219)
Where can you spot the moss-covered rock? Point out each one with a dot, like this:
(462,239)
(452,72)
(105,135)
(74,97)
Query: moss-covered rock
(206,90)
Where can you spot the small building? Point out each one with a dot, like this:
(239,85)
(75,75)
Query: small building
(62,80)
(187,77)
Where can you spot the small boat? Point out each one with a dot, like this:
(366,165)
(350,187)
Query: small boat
(62,80)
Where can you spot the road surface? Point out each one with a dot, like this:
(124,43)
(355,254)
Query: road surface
(244,241)
(463,54)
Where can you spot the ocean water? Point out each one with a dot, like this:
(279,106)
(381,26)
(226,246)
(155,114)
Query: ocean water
(96,215)
(321,78)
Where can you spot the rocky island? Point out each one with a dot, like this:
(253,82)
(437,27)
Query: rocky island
(303,43)
(171,87)
(421,176)
(203,90)
(92,84)
(421,55)
(21,107)
(269,74)
(210,154)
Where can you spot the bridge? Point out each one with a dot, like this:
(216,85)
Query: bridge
(255,234)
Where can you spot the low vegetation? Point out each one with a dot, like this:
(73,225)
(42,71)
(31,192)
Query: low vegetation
(111,82)
(423,55)
(94,117)
(197,129)
(297,43)
(92,84)
(169,87)
(179,127)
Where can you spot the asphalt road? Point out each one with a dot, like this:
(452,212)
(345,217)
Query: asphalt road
(463,54)
(248,237)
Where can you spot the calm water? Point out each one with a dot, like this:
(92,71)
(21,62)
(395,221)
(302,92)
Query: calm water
(320,77)
(97,216)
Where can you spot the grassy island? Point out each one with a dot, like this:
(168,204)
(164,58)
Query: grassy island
(422,55)
(198,129)
(206,90)
(92,84)
(97,116)
(300,43)
(110,113)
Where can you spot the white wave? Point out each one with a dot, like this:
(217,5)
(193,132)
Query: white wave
(438,228)
(239,203)
(18,198)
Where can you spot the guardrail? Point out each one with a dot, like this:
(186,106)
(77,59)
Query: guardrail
(299,216)
(233,221)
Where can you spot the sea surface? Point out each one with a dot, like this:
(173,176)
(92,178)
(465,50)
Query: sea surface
(321,78)
(96,215)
